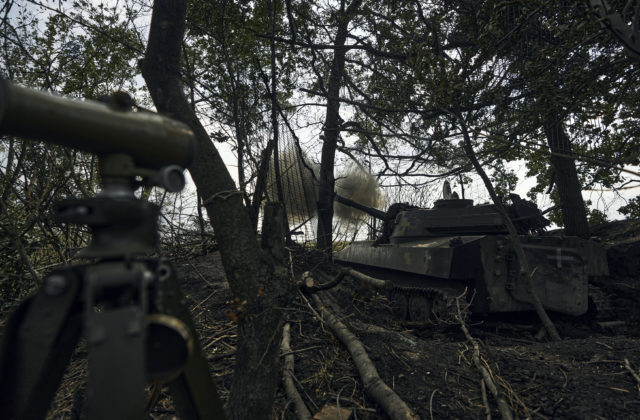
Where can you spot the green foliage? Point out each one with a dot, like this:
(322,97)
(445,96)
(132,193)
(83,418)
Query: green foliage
(507,68)
(555,215)
(33,178)
(412,71)
(226,57)
(90,49)
(596,217)
(504,180)
(88,52)
(631,209)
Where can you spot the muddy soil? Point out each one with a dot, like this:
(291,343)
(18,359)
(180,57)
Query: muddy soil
(581,377)
(429,366)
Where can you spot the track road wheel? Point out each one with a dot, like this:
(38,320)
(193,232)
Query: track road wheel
(399,304)
(420,307)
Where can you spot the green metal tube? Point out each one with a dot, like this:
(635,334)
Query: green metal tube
(152,140)
(378,214)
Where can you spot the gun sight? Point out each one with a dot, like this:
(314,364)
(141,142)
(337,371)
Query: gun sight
(152,140)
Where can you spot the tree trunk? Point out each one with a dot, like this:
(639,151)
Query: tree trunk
(274,103)
(574,214)
(525,269)
(256,280)
(332,132)
(261,184)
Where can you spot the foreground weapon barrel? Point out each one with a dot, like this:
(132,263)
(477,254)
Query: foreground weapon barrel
(152,140)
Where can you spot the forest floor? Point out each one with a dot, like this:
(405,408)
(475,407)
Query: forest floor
(430,367)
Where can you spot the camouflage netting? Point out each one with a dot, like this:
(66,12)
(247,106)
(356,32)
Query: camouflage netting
(300,188)
(299,185)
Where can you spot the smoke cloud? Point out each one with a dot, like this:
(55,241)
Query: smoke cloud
(361,186)
(300,188)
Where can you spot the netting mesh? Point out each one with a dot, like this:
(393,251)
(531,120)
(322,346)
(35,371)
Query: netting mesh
(298,177)
(298,181)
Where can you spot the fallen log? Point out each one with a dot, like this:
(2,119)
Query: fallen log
(287,373)
(374,386)
(309,284)
(377,283)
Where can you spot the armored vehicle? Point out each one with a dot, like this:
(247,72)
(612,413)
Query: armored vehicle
(432,255)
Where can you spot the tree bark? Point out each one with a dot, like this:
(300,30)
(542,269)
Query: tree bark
(274,109)
(332,131)
(203,239)
(525,269)
(261,184)
(574,214)
(257,282)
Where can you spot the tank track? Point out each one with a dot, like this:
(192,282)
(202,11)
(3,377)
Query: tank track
(443,304)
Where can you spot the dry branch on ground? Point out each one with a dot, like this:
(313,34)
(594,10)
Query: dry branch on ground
(310,285)
(504,408)
(375,387)
(627,365)
(287,372)
(377,283)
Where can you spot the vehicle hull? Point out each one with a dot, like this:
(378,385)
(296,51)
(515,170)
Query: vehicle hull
(487,265)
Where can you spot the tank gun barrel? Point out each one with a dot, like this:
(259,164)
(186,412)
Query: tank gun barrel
(378,214)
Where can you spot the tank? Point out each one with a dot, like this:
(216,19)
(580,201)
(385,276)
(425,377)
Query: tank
(433,255)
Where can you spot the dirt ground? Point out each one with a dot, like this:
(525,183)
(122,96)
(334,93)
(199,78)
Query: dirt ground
(430,367)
